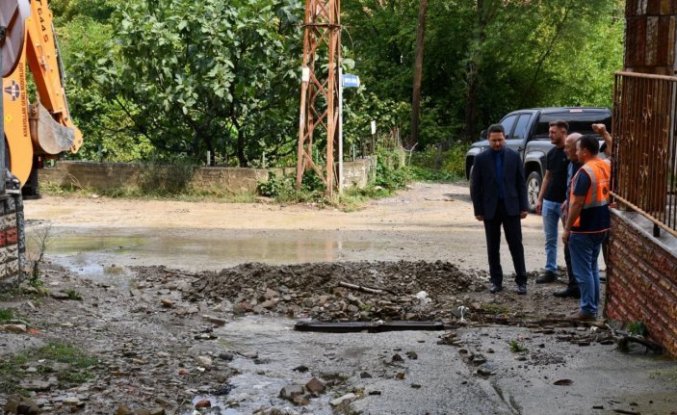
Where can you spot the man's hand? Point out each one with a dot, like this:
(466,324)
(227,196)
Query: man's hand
(523,214)
(479,218)
(599,129)
(565,236)
(539,207)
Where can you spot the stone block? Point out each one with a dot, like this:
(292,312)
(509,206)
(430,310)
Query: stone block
(12,236)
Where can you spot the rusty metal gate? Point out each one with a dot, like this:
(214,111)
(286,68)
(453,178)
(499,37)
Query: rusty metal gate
(645,150)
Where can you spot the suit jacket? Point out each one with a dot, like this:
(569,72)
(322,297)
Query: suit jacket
(484,187)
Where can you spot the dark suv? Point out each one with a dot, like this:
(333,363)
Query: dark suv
(527,133)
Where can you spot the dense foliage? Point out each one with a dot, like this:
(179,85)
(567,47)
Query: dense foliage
(157,80)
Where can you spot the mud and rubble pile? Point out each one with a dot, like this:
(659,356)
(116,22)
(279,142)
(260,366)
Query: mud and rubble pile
(335,291)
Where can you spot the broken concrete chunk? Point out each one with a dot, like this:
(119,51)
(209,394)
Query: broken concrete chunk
(315,385)
(13,328)
(349,397)
(59,295)
(291,391)
(204,361)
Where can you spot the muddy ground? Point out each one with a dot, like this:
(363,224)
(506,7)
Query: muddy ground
(427,222)
(164,328)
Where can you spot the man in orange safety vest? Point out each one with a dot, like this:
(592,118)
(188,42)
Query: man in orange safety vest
(588,222)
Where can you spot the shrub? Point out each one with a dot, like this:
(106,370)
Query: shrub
(434,164)
(161,178)
(391,172)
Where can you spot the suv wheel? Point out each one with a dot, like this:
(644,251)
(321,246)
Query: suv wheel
(533,188)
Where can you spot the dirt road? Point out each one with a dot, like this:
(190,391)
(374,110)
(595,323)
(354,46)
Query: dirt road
(131,285)
(425,222)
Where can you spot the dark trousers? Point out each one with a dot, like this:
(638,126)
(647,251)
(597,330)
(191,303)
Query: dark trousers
(572,285)
(512,226)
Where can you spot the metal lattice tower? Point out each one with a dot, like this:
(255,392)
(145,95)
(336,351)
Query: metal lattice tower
(320,88)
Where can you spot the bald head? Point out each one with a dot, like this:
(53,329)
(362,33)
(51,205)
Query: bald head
(570,146)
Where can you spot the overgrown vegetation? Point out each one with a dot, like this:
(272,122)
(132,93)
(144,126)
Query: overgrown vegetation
(636,328)
(391,170)
(77,371)
(74,295)
(283,188)
(166,178)
(156,80)
(39,241)
(6,315)
(391,174)
(495,309)
(436,164)
(517,346)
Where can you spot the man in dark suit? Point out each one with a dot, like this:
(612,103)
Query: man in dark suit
(499,196)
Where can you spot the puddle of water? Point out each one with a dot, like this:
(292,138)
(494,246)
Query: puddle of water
(92,243)
(280,349)
(260,381)
(196,250)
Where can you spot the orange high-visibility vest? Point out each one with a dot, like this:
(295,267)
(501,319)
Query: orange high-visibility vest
(598,194)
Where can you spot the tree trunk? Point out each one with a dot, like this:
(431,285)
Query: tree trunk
(418,72)
(195,146)
(473,70)
(239,144)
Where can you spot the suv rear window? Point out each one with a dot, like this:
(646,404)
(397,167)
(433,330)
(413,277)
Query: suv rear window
(579,122)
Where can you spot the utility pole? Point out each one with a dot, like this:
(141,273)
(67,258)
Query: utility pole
(418,71)
(319,88)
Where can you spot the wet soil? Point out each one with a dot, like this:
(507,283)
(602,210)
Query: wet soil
(169,326)
(166,339)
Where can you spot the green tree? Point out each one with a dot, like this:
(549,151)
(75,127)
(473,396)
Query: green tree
(172,78)
(84,29)
(487,57)
(197,76)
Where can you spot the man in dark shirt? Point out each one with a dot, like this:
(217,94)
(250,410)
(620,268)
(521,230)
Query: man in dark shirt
(570,148)
(552,195)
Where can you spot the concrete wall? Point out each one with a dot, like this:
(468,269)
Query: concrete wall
(359,173)
(642,280)
(107,176)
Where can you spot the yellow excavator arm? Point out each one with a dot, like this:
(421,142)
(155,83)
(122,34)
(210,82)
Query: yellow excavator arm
(44,128)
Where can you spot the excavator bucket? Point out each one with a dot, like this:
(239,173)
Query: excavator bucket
(50,137)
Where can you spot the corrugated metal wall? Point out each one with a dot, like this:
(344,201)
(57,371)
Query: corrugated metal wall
(651,36)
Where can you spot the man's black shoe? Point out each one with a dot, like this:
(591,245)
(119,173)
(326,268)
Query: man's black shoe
(568,292)
(521,289)
(495,288)
(549,276)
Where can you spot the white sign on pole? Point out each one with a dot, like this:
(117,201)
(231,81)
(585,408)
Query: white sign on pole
(350,81)
(373,127)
